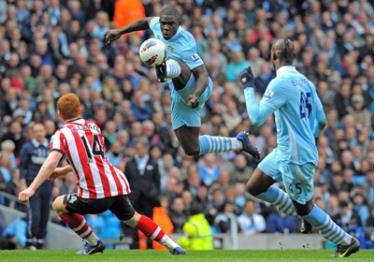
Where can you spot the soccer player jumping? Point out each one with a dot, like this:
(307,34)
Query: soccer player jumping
(299,117)
(189,84)
(101,185)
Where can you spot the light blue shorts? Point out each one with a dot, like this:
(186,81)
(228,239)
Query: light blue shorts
(182,113)
(297,179)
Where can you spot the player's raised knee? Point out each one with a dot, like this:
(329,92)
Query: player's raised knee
(253,189)
(58,204)
(191,151)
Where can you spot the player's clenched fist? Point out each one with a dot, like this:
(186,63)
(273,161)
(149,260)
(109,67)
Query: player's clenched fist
(25,195)
(193,101)
(111,35)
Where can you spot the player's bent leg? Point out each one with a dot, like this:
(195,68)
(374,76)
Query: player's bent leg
(260,185)
(346,244)
(195,145)
(124,211)
(58,205)
(188,138)
(178,71)
(78,224)
(216,144)
(154,232)
(299,183)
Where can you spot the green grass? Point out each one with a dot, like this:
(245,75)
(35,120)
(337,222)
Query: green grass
(205,256)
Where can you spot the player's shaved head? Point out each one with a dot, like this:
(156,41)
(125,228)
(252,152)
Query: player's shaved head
(169,21)
(170,11)
(282,52)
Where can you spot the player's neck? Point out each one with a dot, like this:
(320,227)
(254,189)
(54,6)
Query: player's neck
(72,119)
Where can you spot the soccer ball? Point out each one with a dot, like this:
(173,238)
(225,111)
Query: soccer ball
(152,52)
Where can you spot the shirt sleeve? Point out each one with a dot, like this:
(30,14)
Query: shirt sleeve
(154,24)
(320,116)
(56,142)
(191,57)
(273,99)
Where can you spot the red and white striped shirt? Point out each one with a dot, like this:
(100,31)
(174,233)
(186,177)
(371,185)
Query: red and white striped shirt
(83,144)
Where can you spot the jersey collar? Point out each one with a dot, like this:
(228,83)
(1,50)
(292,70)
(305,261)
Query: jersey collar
(175,35)
(77,121)
(283,69)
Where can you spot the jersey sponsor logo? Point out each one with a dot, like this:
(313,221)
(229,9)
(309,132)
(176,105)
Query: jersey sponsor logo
(195,57)
(268,94)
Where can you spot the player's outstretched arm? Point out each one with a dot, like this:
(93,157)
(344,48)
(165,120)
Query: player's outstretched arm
(258,113)
(61,171)
(114,34)
(201,75)
(44,173)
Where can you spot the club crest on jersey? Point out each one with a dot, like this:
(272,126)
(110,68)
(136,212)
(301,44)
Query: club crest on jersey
(268,94)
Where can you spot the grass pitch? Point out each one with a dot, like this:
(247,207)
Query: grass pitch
(205,256)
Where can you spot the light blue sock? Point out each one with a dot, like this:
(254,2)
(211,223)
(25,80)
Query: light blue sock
(329,229)
(215,144)
(279,199)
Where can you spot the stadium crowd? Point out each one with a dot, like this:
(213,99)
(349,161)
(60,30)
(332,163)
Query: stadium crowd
(49,48)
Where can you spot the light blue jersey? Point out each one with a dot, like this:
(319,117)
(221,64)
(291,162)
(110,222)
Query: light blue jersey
(182,46)
(298,115)
(298,111)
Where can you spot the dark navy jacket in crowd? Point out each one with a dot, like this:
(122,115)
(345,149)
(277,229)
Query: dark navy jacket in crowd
(33,155)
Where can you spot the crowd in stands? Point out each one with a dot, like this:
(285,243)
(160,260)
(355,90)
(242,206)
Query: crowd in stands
(49,48)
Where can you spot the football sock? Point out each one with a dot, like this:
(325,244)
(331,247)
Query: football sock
(78,223)
(329,229)
(279,199)
(212,144)
(173,68)
(153,231)
(39,243)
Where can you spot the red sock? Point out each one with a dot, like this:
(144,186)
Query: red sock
(150,229)
(78,223)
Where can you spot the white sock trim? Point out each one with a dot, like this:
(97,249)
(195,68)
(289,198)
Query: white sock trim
(86,233)
(173,68)
(156,232)
(168,242)
(80,226)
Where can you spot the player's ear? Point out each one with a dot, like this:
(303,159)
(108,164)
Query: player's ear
(274,56)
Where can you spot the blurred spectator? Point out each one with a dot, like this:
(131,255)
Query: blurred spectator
(33,154)
(276,222)
(209,170)
(241,171)
(197,231)
(250,221)
(177,214)
(143,176)
(347,218)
